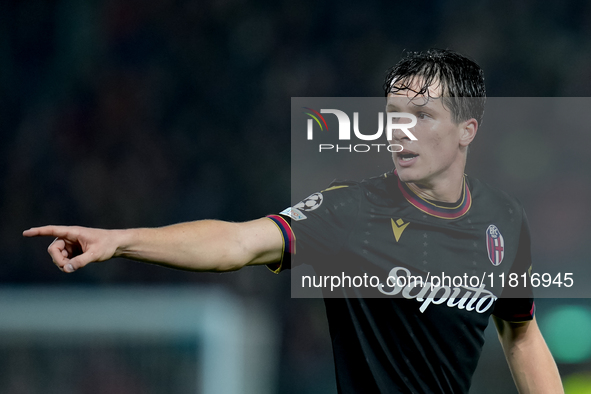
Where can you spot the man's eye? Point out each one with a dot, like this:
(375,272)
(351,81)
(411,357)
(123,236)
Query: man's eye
(422,115)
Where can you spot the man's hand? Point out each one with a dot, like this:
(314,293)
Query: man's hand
(76,247)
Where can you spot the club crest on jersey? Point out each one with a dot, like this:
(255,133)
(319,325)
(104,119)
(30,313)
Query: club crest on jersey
(310,203)
(495,245)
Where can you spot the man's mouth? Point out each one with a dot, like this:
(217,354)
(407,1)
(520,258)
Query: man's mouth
(407,156)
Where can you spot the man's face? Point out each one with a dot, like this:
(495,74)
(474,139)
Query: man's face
(439,150)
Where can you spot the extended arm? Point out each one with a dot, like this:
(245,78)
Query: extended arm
(531,363)
(207,245)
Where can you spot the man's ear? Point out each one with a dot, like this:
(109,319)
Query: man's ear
(468,132)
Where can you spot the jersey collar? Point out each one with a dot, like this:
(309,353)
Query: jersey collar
(435,208)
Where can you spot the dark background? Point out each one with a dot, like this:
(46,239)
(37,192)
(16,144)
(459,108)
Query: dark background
(135,114)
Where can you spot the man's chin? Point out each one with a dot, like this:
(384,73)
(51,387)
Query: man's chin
(406,174)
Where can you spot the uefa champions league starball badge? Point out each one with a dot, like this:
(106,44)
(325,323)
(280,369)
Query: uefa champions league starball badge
(310,203)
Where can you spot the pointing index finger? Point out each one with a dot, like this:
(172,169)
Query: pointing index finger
(54,231)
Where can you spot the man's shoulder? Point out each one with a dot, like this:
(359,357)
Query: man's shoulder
(491,197)
(381,189)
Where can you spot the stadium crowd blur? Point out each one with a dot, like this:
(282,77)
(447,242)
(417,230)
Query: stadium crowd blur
(134,114)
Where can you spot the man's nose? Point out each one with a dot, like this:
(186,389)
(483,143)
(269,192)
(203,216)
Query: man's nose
(398,135)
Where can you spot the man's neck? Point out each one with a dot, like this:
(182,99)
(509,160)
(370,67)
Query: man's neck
(444,190)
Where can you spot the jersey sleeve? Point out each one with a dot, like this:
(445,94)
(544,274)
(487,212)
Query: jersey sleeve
(516,304)
(318,225)
(282,222)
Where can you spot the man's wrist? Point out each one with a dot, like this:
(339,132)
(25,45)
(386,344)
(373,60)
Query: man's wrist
(124,241)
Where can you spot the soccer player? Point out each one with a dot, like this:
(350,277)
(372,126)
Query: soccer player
(426,215)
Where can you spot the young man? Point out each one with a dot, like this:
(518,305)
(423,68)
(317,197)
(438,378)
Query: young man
(427,206)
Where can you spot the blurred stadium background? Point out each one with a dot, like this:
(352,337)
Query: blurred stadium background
(131,114)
